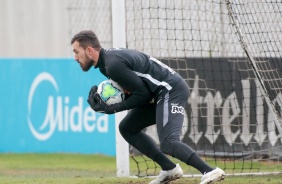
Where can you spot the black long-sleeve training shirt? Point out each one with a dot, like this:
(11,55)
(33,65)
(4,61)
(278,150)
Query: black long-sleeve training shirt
(143,76)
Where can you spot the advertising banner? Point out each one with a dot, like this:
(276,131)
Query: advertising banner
(43,108)
(226,113)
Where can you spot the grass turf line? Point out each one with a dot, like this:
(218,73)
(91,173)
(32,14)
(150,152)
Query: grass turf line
(87,169)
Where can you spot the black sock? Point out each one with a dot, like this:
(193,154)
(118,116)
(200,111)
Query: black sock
(147,146)
(196,162)
(165,163)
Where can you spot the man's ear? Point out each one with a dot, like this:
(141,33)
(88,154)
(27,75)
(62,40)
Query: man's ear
(89,50)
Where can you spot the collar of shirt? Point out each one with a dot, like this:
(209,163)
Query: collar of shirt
(101,62)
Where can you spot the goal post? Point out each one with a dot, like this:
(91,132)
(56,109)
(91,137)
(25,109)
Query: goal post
(122,147)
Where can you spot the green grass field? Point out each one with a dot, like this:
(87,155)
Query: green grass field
(88,169)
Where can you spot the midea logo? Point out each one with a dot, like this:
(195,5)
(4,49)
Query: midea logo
(63,118)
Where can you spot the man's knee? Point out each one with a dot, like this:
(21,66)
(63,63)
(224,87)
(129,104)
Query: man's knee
(123,128)
(127,128)
(167,146)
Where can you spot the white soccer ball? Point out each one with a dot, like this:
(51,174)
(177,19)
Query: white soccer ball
(110,92)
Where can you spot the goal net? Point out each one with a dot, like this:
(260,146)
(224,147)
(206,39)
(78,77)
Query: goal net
(230,54)
(229,51)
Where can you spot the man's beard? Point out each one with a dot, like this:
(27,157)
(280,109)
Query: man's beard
(88,64)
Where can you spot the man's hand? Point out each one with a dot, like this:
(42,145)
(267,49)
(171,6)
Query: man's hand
(93,90)
(101,106)
(90,99)
(98,105)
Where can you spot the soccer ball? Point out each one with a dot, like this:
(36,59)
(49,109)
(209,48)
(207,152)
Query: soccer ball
(110,92)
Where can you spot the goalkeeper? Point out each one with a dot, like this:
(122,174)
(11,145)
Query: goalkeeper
(156,95)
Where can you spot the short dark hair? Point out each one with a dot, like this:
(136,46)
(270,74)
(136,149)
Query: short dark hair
(86,38)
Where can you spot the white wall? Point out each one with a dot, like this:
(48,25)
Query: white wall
(44,28)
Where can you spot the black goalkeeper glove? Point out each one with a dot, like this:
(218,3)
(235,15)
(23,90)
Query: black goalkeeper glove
(101,106)
(98,105)
(93,90)
(90,99)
